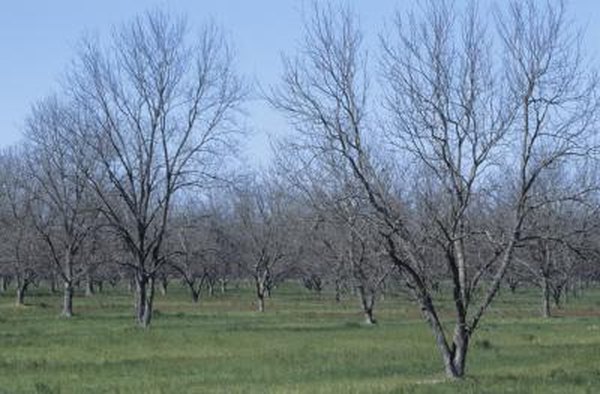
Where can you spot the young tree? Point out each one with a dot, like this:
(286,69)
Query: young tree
(159,110)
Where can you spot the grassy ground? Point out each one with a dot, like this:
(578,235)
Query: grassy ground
(303,343)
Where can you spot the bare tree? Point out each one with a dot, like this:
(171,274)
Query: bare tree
(346,243)
(195,250)
(450,117)
(20,251)
(264,235)
(63,209)
(556,236)
(160,113)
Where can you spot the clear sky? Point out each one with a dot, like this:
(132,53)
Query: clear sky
(37,40)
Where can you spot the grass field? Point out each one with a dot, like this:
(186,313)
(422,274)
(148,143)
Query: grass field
(302,343)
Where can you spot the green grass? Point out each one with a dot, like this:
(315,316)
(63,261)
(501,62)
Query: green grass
(303,343)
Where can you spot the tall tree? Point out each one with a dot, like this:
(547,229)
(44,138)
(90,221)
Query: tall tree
(160,108)
(450,114)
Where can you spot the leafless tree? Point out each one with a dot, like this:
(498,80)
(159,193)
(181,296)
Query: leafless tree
(21,254)
(64,209)
(160,111)
(452,111)
(556,236)
(345,242)
(264,235)
(196,252)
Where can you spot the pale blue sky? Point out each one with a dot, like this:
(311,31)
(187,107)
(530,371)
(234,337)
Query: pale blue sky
(37,40)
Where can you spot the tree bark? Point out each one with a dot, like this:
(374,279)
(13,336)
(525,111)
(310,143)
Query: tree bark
(261,291)
(68,299)
(367,302)
(338,291)
(140,299)
(545,297)
(21,289)
(68,284)
(163,285)
(148,303)
(195,295)
(89,286)
(260,294)
(261,302)
(460,346)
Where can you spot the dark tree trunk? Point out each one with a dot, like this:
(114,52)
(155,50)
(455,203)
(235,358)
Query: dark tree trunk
(557,292)
(195,295)
(3,284)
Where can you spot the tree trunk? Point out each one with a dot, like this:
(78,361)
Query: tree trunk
(338,291)
(131,284)
(545,297)
(89,286)
(557,292)
(223,286)
(21,289)
(367,302)
(148,307)
(369,319)
(260,294)
(163,285)
(100,286)
(140,298)
(261,302)
(68,284)
(68,299)
(454,357)
(3,284)
(195,295)
(211,290)
(460,346)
